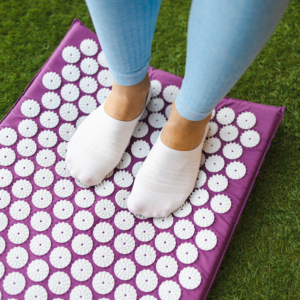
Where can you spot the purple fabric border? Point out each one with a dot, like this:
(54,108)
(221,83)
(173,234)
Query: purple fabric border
(282,109)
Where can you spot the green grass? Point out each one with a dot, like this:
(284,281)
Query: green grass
(262,260)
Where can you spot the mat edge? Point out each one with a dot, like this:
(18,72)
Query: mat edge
(281,110)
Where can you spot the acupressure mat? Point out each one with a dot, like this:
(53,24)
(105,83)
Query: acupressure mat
(62,240)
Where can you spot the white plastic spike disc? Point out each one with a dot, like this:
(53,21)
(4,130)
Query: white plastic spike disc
(169,290)
(104,209)
(103,232)
(105,78)
(125,289)
(7,157)
(104,188)
(60,257)
(201,179)
(63,209)
(89,47)
(213,129)
(155,87)
(103,283)
(47,138)
(146,281)
(14,283)
(51,100)
(145,255)
(166,266)
(27,128)
(220,203)
(214,163)
(184,229)
(206,239)
(22,188)
(204,217)
(168,110)
(103,256)
(70,73)
(51,81)
(102,95)
(170,93)
(124,243)
(187,253)
(68,112)
(82,244)
(140,149)
(8,136)
(71,54)
(87,104)
(212,145)
(89,66)
(124,220)
(250,138)
(88,85)
(154,136)
(45,158)
(190,278)
(225,116)
(163,223)
(199,197)
(229,133)
(213,113)
(155,104)
(24,167)
(26,147)
(59,283)
(4,201)
(70,92)
(232,151)
(140,130)
(102,60)
(144,231)
(157,120)
(124,269)
(246,120)
(40,244)
(236,170)
(183,211)
(218,183)
(165,242)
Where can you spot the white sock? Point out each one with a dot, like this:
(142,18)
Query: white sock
(165,180)
(98,145)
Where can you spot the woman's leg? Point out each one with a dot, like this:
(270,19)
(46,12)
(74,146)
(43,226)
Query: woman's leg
(125,30)
(224,37)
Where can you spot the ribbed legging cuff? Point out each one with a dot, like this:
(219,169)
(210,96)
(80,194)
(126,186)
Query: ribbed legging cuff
(130,78)
(188,111)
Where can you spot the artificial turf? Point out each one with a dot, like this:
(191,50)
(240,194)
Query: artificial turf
(262,260)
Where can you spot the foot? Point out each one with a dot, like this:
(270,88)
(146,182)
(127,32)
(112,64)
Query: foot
(168,174)
(100,141)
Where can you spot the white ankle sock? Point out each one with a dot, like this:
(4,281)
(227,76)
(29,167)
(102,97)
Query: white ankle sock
(98,145)
(165,180)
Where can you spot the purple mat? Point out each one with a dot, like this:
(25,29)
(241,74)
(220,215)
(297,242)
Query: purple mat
(60,240)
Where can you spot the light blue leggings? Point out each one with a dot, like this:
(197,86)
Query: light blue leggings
(224,37)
